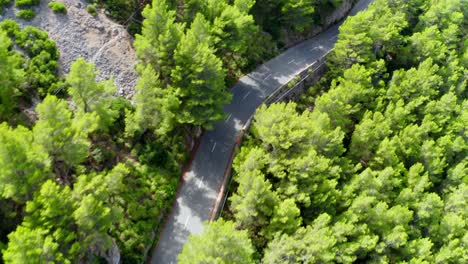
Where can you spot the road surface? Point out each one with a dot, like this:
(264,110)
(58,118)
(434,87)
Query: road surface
(198,194)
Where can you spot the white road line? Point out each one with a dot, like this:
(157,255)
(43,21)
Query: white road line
(227,119)
(291,61)
(186,221)
(200,182)
(214,146)
(333,37)
(268,76)
(245,96)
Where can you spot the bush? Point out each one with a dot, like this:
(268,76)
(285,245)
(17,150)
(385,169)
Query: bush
(92,9)
(41,66)
(26,14)
(3,3)
(24,3)
(58,7)
(10,26)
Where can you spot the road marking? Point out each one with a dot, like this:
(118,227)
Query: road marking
(200,182)
(291,61)
(268,76)
(314,48)
(333,37)
(186,221)
(227,119)
(214,146)
(245,96)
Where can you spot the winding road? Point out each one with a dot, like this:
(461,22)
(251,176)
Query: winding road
(198,193)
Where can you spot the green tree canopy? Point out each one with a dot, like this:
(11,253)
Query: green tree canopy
(220,243)
(90,96)
(23,164)
(198,77)
(12,77)
(159,37)
(63,137)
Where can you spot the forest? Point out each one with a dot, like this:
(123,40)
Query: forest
(87,176)
(370,164)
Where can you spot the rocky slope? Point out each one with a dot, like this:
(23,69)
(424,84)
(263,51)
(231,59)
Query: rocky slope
(79,34)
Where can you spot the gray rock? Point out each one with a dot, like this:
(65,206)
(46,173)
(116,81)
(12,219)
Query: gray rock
(97,39)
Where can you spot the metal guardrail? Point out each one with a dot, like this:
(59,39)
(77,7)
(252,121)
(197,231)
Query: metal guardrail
(279,94)
(306,73)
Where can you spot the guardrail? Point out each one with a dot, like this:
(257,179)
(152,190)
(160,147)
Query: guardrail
(282,91)
(278,95)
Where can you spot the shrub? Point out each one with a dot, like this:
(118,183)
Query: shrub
(26,14)
(11,27)
(92,9)
(58,7)
(3,3)
(24,3)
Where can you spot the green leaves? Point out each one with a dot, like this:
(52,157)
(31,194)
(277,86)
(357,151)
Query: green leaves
(298,14)
(30,245)
(219,243)
(376,171)
(23,164)
(198,78)
(12,77)
(308,245)
(191,89)
(254,201)
(90,96)
(159,37)
(281,128)
(63,137)
(84,233)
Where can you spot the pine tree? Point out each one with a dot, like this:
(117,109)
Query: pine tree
(11,76)
(155,107)
(63,137)
(160,35)
(219,243)
(198,78)
(23,164)
(91,96)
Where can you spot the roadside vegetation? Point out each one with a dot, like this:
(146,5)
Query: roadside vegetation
(73,186)
(86,175)
(370,166)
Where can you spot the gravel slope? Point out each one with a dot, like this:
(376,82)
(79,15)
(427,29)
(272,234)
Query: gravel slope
(97,39)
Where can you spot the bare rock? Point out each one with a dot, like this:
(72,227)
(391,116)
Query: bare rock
(97,39)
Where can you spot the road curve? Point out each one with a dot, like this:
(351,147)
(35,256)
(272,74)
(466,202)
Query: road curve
(198,193)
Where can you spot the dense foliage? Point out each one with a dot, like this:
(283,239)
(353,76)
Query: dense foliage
(3,3)
(209,247)
(73,186)
(372,165)
(288,20)
(86,175)
(281,22)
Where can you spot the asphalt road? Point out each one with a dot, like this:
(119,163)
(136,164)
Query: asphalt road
(198,193)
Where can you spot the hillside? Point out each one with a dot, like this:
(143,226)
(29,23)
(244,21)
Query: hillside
(95,38)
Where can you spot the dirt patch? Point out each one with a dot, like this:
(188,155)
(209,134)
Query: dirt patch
(79,34)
